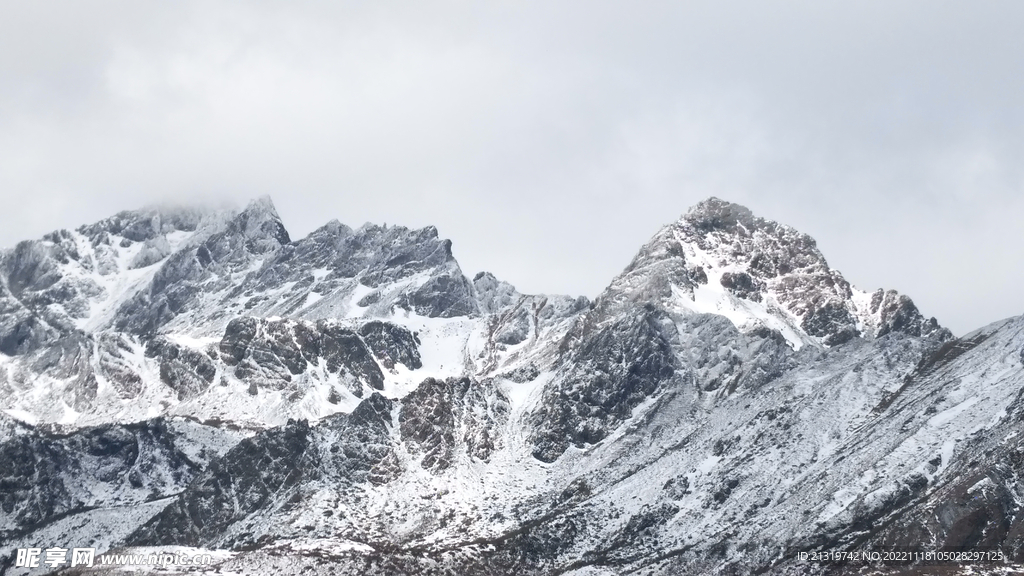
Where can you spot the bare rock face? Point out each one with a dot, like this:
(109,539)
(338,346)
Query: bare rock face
(403,269)
(609,371)
(441,417)
(143,225)
(185,370)
(832,322)
(38,303)
(268,470)
(392,344)
(240,483)
(897,313)
(47,476)
(493,294)
(211,265)
(612,367)
(268,353)
(443,296)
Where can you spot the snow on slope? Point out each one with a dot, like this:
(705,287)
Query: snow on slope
(729,399)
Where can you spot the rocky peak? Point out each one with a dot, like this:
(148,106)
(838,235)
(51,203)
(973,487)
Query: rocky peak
(720,258)
(493,294)
(733,233)
(229,246)
(337,272)
(144,224)
(390,253)
(255,231)
(261,226)
(717,214)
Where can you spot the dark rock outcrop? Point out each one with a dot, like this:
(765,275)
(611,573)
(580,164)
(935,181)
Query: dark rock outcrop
(609,371)
(392,344)
(203,269)
(46,476)
(187,371)
(267,470)
(268,353)
(442,415)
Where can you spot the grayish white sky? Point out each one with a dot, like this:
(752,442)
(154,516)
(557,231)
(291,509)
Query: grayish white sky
(549,140)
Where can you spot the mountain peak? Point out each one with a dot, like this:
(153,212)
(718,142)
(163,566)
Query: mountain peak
(720,258)
(720,216)
(260,222)
(717,213)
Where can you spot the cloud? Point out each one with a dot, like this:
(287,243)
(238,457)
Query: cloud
(548,139)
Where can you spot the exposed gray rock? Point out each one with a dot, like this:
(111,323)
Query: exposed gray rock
(392,344)
(206,268)
(47,476)
(268,354)
(609,371)
(187,371)
(266,471)
(432,416)
(234,486)
(493,294)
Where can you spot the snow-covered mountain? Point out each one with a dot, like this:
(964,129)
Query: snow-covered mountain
(350,402)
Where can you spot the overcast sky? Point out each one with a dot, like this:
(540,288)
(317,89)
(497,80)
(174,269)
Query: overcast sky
(548,140)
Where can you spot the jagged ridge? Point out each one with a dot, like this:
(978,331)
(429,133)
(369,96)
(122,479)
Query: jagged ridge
(727,401)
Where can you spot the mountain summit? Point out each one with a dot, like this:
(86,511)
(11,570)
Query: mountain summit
(721,259)
(350,402)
